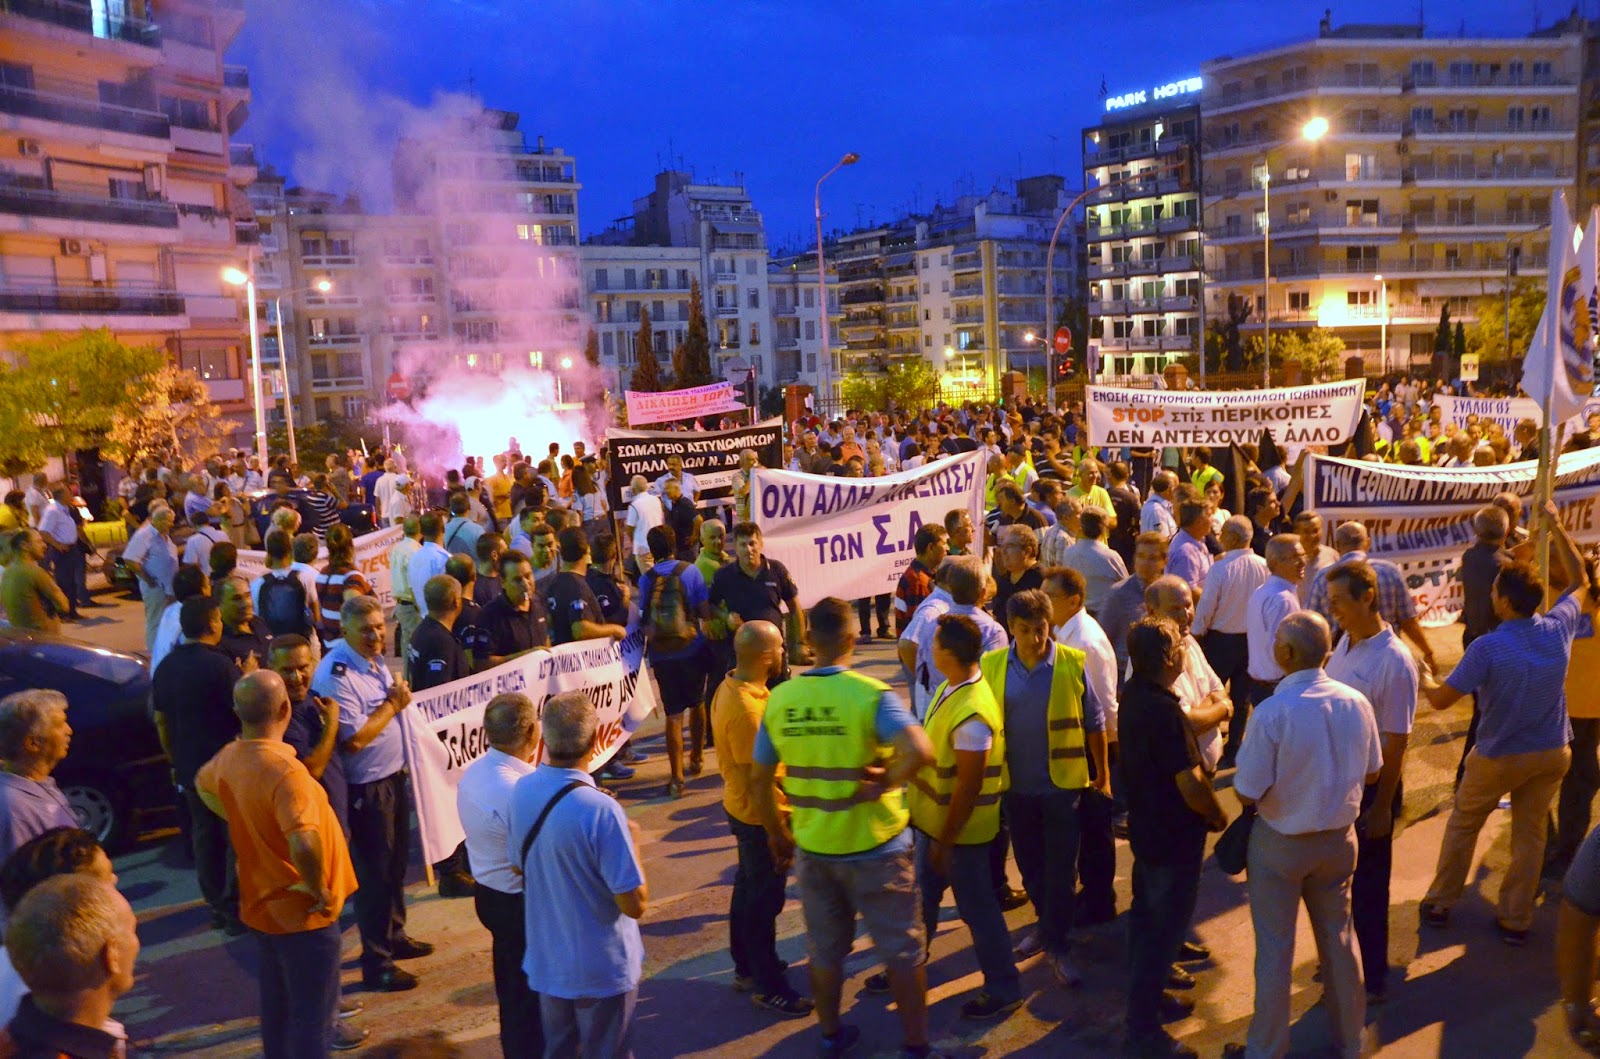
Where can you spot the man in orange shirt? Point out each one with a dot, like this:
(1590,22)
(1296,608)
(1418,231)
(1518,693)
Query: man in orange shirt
(758,885)
(294,872)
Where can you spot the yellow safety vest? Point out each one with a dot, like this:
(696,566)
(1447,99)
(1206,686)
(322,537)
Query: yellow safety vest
(932,787)
(825,732)
(1204,477)
(1069,761)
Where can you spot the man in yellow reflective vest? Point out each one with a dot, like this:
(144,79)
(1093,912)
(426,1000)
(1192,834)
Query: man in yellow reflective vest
(955,808)
(1055,728)
(848,746)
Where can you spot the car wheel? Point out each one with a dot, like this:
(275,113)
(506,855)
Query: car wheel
(101,809)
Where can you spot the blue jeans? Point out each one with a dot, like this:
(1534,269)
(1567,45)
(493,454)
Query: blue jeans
(753,911)
(1163,904)
(1044,835)
(299,992)
(970,878)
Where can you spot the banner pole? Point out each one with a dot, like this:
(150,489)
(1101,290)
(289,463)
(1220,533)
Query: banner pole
(1546,487)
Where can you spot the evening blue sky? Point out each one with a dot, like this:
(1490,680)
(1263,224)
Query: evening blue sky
(938,97)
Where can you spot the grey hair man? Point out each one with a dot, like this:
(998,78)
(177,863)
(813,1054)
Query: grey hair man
(583,886)
(34,737)
(1395,604)
(1269,606)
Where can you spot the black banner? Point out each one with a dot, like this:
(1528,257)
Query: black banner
(712,456)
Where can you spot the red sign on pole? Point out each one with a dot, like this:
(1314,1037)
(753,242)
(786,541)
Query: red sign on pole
(1063,341)
(398,389)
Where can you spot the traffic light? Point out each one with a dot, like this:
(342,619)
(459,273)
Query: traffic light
(1066,368)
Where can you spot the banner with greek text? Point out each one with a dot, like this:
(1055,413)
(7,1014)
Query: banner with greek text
(853,537)
(1324,414)
(712,456)
(1507,411)
(713,399)
(372,560)
(443,726)
(1420,518)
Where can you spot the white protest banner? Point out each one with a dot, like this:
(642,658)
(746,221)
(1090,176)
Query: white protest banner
(443,726)
(1420,518)
(1507,411)
(713,399)
(1324,414)
(372,560)
(853,537)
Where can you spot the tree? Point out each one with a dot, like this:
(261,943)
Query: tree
(691,361)
(316,441)
(907,384)
(173,418)
(591,349)
(64,390)
(1459,345)
(1486,336)
(1239,310)
(1441,337)
(646,377)
(1317,350)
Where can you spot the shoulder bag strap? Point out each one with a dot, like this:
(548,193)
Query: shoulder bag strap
(538,824)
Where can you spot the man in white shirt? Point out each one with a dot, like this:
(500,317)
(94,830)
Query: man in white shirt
(1313,746)
(60,532)
(1075,627)
(644,514)
(1269,605)
(964,583)
(483,801)
(1374,661)
(394,504)
(1221,616)
(197,550)
(1157,511)
(1198,689)
(1308,527)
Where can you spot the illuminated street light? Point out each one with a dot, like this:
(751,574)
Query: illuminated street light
(239,278)
(566,363)
(1315,129)
(324,285)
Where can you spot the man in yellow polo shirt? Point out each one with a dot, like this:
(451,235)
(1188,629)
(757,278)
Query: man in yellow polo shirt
(955,808)
(1090,493)
(848,746)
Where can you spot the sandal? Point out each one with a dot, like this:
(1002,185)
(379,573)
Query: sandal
(674,788)
(696,767)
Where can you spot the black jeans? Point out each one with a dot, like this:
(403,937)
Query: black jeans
(1260,690)
(502,915)
(1163,904)
(1578,789)
(753,912)
(69,569)
(213,857)
(864,607)
(299,992)
(1097,856)
(1044,832)
(1229,655)
(1369,893)
(380,846)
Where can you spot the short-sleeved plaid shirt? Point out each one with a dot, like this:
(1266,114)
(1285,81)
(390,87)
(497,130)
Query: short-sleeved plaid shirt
(1394,599)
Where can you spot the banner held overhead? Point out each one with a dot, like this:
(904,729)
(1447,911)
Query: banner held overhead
(713,399)
(1325,414)
(710,455)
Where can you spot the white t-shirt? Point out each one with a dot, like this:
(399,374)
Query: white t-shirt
(644,514)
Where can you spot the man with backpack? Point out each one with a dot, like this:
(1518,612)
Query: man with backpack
(280,594)
(574,611)
(673,600)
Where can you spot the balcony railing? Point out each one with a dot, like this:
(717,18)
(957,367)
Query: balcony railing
(86,18)
(1392,82)
(1294,269)
(236,76)
(47,202)
(340,339)
(91,301)
(81,110)
(342,382)
(247,233)
(327,260)
(243,154)
(1494,173)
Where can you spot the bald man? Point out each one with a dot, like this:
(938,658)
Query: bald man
(758,886)
(294,871)
(1311,749)
(1199,689)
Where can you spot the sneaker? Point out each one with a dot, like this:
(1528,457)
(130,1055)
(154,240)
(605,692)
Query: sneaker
(876,984)
(840,1043)
(1515,938)
(1030,945)
(617,771)
(695,767)
(347,1038)
(987,1008)
(743,983)
(630,756)
(1193,952)
(1434,915)
(1067,974)
(789,1005)
(349,1009)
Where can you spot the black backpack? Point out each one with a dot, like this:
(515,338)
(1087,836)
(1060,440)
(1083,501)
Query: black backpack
(282,603)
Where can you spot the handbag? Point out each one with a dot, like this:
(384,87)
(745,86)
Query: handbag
(1232,850)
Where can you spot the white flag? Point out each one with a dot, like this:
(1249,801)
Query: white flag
(1558,370)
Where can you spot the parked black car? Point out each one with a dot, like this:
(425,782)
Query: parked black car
(115,771)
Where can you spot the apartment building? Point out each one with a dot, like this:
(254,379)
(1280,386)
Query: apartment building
(625,282)
(961,287)
(1141,229)
(721,225)
(796,318)
(1391,172)
(121,194)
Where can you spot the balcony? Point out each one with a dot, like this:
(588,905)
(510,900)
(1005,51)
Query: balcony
(224,391)
(322,384)
(58,308)
(243,155)
(1134,151)
(1459,129)
(1153,266)
(247,233)
(1492,265)
(335,339)
(968,290)
(726,310)
(1146,187)
(1390,85)
(84,17)
(1499,174)
(408,258)
(236,77)
(328,260)
(1416,222)
(861,296)
(47,202)
(83,110)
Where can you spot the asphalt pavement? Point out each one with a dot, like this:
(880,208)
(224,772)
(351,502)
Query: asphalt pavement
(1461,992)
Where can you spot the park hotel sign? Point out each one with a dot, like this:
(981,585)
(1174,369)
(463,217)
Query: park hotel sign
(1170,90)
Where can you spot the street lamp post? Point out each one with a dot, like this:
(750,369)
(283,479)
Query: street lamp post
(850,158)
(1266,273)
(238,277)
(1383,321)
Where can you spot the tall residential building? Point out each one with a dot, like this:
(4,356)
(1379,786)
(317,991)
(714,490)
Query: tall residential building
(796,318)
(121,197)
(1142,230)
(962,286)
(1439,154)
(721,225)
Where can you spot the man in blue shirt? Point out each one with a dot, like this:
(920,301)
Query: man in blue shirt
(353,674)
(680,668)
(583,887)
(1519,674)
